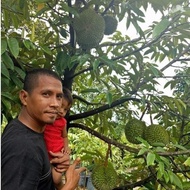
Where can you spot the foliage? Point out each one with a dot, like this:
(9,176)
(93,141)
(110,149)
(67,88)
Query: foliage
(117,80)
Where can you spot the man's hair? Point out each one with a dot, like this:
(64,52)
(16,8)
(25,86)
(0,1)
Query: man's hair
(67,95)
(32,76)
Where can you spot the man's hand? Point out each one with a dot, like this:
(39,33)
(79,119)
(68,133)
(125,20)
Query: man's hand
(60,160)
(57,179)
(73,175)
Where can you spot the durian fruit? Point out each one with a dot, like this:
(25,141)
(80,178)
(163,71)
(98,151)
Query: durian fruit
(110,25)
(156,134)
(133,129)
(104,177)
(89,27)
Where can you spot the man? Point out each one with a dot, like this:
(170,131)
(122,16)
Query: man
(24,159)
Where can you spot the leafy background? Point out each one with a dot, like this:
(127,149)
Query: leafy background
(111,83)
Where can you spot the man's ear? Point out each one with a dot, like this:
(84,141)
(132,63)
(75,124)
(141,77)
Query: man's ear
(23,95)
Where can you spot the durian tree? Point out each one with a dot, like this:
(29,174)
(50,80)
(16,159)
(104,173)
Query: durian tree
(114,78)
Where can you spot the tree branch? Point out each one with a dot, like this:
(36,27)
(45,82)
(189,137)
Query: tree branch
(177,153)
(101,109)
(121,145)
(187,49)
(138,183)
(119,43)
(83,100)
(104,138)
(136,50)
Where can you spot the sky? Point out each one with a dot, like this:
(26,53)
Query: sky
(150,16)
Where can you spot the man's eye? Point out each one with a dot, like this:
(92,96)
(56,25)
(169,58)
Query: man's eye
(59,96)
(45,94)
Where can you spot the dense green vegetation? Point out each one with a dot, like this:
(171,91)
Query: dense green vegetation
(115,80)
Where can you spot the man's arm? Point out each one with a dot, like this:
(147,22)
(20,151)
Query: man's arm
(73,176)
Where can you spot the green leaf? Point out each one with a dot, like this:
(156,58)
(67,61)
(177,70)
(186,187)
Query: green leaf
(49,35)
(150,159)
(186,185)
(179,108)
(8,61)
(13,46)
(22,4)
(142,151)
(20,72)
(161,167)
(165,160)
(106,61)
(109,98)
(26,14)
(137,27)
(15,20)
(122,11)
(170,173)
(47,50)
(4,83)
(6,18)
(182,103)
(6,103)
(179,146)
(166,177)
(7,95)
(27,44)
(61,61)
(90,90)
(136,10)
(4,71)
(155,71)
(3,46)
(159,174)
(187,162)
(175,179)
(160,27)
(63,32)
(96,64)
(158,144)
(144,142)
(83,58)
(42,1)
(16,80)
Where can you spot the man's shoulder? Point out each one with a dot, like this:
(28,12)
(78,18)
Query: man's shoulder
(13,126)
(16,132)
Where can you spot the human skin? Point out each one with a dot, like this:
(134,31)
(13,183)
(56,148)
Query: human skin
(40,106)
(64,108)
(72,176)
(61,113)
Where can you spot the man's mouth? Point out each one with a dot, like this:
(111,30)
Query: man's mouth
(52,113)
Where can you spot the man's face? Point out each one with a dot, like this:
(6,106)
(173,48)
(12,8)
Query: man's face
(44,100)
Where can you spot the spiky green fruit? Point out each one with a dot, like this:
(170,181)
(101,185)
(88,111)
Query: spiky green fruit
(89,27)
(156,134)
(104,177)
(110,25)
(133,129)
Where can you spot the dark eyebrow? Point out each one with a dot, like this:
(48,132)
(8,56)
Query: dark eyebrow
(60,94)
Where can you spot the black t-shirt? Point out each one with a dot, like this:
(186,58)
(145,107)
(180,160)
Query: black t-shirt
(24,159)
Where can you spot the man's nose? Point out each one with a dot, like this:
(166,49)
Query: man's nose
(55,102)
